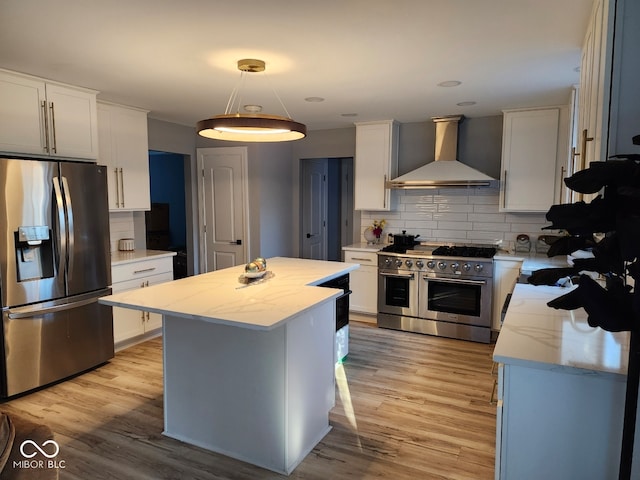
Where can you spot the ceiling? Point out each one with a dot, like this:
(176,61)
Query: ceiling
(377,59)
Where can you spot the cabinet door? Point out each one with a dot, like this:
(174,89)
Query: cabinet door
(505,276)
(73,122)
(127,323)
(363,281)
(529,159)
(376,162)
(124,149)
(22,101)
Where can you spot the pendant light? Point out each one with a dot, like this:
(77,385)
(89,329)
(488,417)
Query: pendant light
(252,126)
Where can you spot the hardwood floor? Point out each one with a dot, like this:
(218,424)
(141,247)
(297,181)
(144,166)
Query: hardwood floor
(408,406)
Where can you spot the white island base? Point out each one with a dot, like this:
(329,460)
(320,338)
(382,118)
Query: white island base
(259,396)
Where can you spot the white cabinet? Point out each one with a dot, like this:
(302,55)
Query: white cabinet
(40,117)
(609,102)
(376,162)
(505,276)
(131,326)
(124,148)
(363,282)
(535,146)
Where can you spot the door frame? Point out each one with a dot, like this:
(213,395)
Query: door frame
(243,152)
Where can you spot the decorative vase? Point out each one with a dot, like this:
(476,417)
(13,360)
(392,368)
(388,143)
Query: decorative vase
(369,236)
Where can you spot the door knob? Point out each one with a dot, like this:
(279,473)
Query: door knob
(236,242)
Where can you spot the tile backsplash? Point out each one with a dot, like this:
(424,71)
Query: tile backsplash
(461,215)
(121,225)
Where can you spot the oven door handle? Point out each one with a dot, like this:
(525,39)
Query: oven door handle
(409,276)
(455,280)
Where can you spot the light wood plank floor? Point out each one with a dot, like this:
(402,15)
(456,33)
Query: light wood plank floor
(408,406)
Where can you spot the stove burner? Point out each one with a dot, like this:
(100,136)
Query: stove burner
(465,251)
(396,248)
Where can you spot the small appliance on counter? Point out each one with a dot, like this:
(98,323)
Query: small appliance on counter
(523,243)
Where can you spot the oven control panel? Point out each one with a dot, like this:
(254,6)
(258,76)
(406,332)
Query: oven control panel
(465,267)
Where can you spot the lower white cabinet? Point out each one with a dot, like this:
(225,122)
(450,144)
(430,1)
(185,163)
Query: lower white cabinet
(132,326)
(505,276)
(363,282)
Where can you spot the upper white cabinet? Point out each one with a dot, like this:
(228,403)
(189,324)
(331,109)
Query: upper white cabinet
(609,102)
(40,117)
(535,145)
(376,162)
(124,148)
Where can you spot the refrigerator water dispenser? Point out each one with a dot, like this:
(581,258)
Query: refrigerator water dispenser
(34,253)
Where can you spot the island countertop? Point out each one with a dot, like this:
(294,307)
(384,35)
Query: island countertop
(539,336)
(289,288)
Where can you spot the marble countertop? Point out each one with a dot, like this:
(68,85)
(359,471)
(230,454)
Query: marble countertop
(365,247)
(533,261)
(119,257)
(287,289)
(538,336)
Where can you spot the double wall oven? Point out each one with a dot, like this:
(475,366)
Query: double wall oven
(445,291)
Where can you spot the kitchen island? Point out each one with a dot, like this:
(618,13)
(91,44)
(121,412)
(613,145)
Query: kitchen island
(248,367)
(561,392)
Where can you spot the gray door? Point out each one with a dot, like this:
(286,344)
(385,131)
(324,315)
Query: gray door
(314,209)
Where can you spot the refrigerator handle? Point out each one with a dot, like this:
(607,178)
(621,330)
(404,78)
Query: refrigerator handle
(36,312)
(61,225)
(69,208)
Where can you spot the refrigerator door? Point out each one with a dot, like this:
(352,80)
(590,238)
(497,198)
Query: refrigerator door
(47,342)
(84,188)
(32,251)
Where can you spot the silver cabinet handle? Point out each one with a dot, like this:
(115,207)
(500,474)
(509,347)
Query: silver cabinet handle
(115,170)
(150,269)
(45,118)
(122,186)
(504,191)
(361,259)
(54,149)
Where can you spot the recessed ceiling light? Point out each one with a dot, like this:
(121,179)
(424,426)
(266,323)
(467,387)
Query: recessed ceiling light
(465,104)
(314,99)
(349,114)
(449,83)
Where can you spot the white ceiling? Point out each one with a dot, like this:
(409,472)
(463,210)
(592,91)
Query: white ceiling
(380,59)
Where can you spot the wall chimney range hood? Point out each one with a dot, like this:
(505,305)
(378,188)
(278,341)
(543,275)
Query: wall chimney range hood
(446,170)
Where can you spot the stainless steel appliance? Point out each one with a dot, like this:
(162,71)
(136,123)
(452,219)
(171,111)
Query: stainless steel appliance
(342,314)
(54,265)
(445,291)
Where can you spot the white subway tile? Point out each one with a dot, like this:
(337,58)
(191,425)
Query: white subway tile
(450,217)
(491,226)
(486,217)
(465,226)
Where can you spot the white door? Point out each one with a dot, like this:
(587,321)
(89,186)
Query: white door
(314,209)
(223,206)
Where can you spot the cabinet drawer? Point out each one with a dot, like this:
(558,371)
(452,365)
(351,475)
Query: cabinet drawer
(363,258)
(144,268)
(142,282)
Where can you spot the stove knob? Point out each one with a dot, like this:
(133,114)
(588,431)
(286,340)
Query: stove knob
(431,264)
(455,266)
(419,264)
(466,267)
(478,267)
(408,263)
(387,262)
(442,265)
(398,262)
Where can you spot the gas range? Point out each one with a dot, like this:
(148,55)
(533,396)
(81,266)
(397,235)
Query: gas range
(459,260)
(443,290)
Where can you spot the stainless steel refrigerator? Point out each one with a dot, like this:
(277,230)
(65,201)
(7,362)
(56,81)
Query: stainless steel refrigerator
(54,265)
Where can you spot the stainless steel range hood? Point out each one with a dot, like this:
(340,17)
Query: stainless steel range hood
(446,171)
